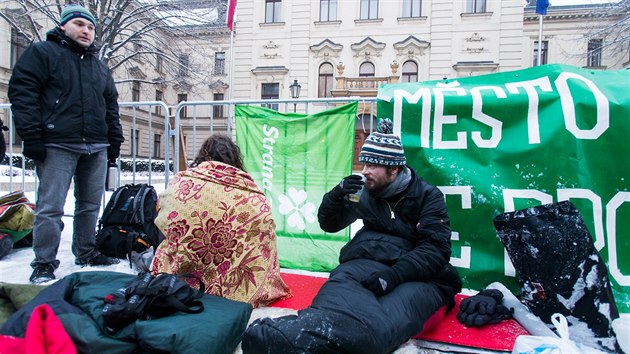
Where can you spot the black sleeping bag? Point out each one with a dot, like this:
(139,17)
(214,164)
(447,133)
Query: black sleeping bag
(345,317)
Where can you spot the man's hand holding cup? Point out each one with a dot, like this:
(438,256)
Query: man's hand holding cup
(351,185)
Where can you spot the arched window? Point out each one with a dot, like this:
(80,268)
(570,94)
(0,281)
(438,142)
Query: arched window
(366,69)
(325,84)
(409,72)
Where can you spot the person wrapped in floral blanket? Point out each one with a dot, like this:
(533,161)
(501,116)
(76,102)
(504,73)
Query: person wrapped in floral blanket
(218,226)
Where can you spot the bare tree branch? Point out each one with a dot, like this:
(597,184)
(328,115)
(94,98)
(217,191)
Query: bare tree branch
(132,32)
(614,33)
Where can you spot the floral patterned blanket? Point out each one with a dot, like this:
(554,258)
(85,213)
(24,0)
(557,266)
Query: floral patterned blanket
(218,226)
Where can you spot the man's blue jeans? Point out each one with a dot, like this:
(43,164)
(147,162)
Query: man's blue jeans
(55,175)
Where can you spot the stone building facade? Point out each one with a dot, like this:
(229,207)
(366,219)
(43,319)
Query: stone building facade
(339,48)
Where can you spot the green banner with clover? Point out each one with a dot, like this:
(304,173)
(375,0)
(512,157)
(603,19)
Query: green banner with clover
(507,141)
(295,159)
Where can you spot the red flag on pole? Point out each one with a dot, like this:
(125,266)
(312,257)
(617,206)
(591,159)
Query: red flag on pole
(230,14)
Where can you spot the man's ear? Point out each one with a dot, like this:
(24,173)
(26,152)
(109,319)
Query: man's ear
(394,170)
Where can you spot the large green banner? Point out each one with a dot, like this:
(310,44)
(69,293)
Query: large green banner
(295,159)
(507,141)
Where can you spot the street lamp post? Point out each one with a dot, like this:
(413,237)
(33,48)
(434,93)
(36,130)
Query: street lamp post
(295,92)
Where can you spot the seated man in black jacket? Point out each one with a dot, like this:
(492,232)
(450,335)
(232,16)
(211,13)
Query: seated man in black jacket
(393,275)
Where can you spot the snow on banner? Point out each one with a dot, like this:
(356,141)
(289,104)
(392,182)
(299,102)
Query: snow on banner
(507,141)
(295,159)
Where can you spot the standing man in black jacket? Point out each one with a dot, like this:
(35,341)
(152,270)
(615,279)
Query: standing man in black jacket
(65,108)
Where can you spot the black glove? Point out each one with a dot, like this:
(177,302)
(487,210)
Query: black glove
(382,283)
(113,151)
(35,150)
(485,302)
(485,307)
(348,185)
(476,319)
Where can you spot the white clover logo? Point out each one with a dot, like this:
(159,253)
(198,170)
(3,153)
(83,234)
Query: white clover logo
(298,210)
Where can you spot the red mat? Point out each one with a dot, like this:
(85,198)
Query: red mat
(500,336)
(304,289)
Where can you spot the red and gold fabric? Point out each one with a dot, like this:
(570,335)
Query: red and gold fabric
(218,226)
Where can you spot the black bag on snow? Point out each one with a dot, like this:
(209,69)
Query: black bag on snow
(127,222)
(558,267)
(148,297)
(3,143)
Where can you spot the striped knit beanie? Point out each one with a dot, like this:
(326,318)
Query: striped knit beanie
(382,147)
(74,11)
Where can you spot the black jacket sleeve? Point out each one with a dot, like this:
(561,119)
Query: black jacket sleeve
(433,251)
(333,215)
(114,129)
(26,85)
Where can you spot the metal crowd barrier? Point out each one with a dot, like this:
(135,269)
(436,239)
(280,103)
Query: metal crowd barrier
(190,122)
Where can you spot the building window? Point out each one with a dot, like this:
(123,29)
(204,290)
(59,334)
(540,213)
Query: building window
(369,9)
(135,141)
(159,63)
(135,91)
(269,92)
(594,55)
(411,8)
(19,42)
(218,108)
(272,11)
(157,145)
(543,53)
(219,63)
(475,6)
(184,62)
(328,10)
(159,96)
(181,97)
(409,72)
(366,69)
(325,80)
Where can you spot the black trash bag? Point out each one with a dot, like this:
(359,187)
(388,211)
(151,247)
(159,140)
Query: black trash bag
(3,143)
(558,268)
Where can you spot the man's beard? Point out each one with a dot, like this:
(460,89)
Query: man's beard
(377,189)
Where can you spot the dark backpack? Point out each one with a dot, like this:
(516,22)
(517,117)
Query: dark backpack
(3,144)
(127,222)
(148,297)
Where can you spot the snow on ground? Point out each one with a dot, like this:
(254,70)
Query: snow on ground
(15,267)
